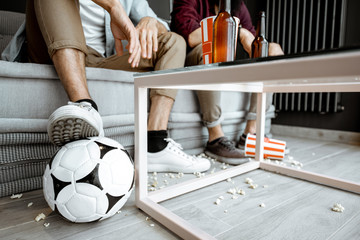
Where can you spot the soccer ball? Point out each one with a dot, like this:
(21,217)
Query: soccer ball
(89,180)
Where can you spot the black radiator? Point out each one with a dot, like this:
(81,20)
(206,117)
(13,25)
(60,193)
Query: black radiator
(303,26)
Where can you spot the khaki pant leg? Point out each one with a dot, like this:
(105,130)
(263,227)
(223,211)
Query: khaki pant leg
(253,105)
(171,54)
(209,101)
(60,26)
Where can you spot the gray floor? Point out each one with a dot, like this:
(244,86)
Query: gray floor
(293,209)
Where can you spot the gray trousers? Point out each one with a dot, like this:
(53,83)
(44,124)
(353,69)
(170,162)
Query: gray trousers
(194,57)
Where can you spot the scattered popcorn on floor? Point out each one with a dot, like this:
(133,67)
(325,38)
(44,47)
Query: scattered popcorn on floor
(154,174)
(212,171)
(152,225)
(241,192)
(338,207)
(248,180)
(40,217)
(147,219)
(199,174)
(234,197)
(30,204)
(154,184)
(253,185)
(232,191)
(262,205)
(296,163)
(221,197)
(152,189)
(225,211)
(118,212)
(218,201)
(180,175)
(46,224)
(223,166)
(228,180)
(15,196)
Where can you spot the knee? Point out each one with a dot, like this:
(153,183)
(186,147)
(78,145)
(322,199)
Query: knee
(175,41)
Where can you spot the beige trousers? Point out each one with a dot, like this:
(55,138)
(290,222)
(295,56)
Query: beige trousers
(52,25)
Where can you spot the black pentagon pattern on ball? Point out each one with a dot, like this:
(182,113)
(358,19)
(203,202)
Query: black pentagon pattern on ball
(92,178)
(113,200)
(58,185)
(104,149)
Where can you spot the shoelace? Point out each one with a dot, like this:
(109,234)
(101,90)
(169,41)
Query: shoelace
(85,105)
(178,148)
(227,144)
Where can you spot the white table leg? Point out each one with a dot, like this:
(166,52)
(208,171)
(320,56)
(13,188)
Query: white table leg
(260,126)
(140,143)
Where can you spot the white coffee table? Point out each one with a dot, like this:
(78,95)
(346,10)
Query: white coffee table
(337,71)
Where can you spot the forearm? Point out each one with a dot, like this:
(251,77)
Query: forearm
(194,38)
(246,39)
(108,5)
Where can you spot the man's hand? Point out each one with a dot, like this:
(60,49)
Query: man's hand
(122,29)
(148,30)
(246,39)
(275,49)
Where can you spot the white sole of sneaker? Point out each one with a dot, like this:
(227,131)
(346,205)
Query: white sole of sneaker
(231,161)
(166,168)
(67,124)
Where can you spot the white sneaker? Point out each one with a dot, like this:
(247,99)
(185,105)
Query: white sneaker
(73,122)
(173,159)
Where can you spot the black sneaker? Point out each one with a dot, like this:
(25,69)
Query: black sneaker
(225,151)
(241,143)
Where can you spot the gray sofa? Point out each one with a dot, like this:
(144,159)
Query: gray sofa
(29,93)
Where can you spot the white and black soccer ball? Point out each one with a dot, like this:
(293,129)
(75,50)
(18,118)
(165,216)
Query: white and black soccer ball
(89,180)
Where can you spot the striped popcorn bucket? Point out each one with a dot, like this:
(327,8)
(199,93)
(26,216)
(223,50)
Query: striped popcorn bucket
(273,149)
(207,37)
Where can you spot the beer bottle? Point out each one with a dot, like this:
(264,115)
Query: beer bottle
(224,30)
(260,46)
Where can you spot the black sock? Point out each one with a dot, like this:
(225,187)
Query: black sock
(93,104)
(214,141)
(156,140)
